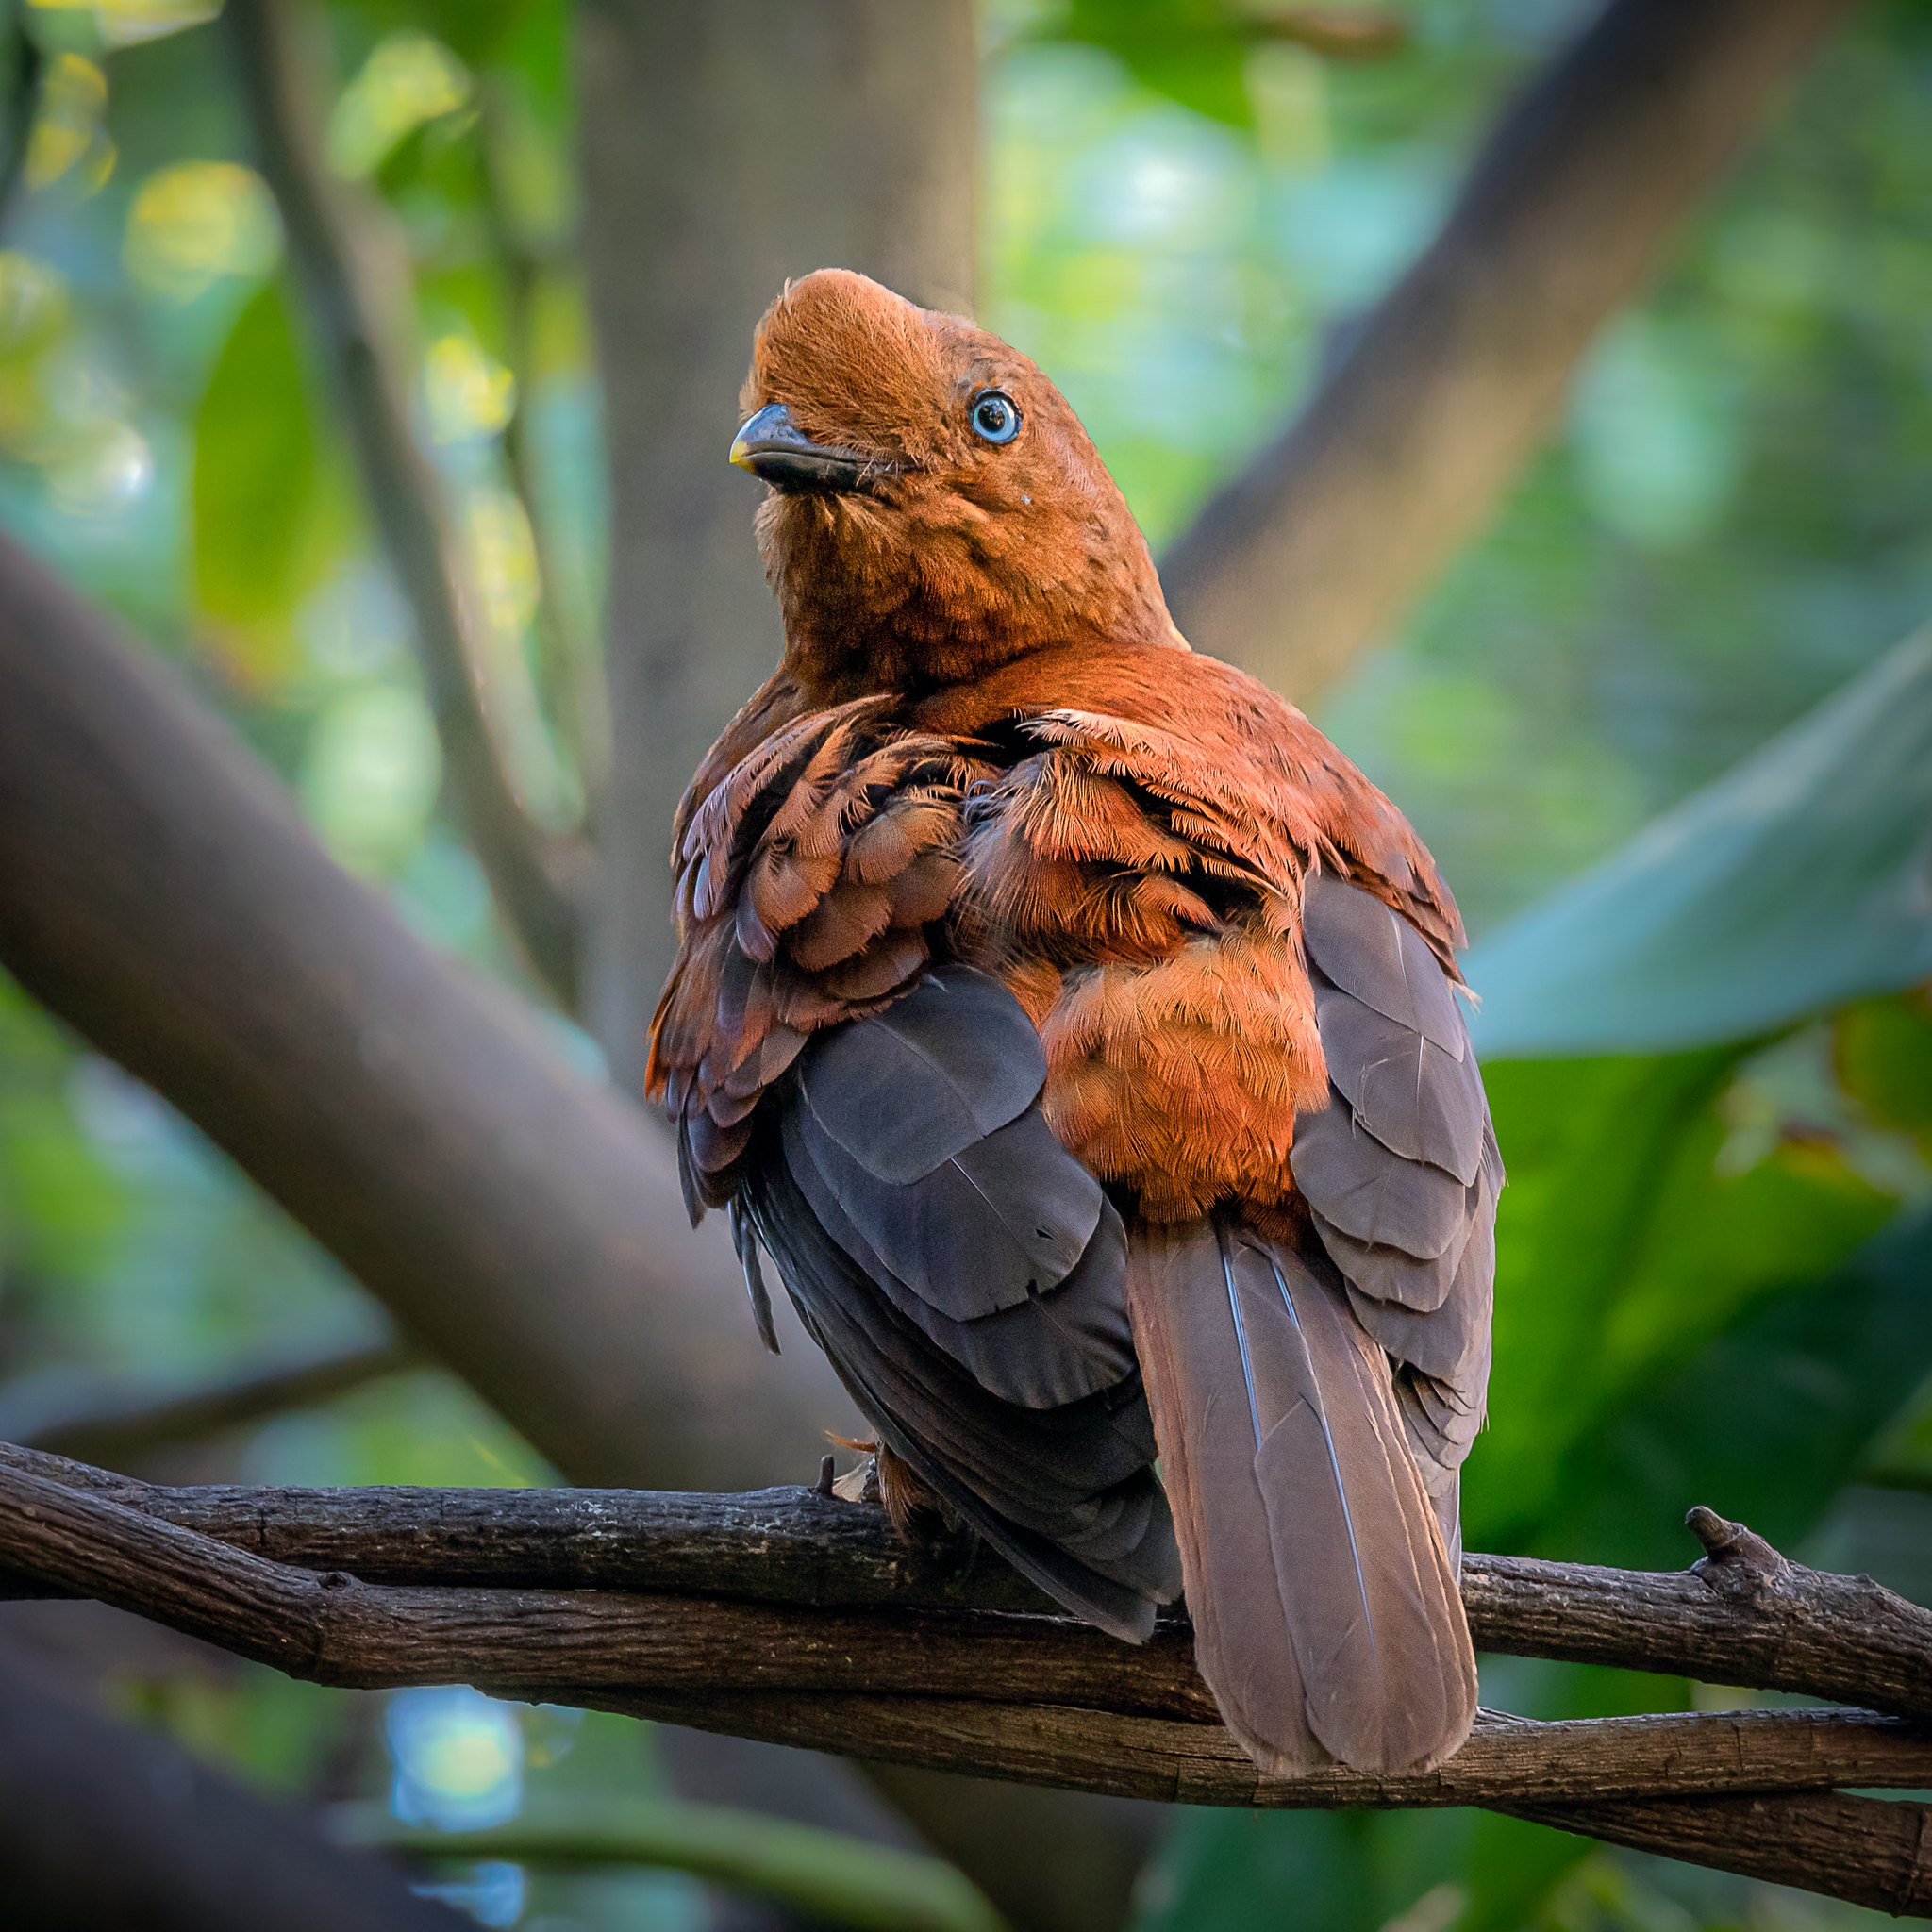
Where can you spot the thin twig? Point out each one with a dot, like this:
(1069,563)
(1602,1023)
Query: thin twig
(995,1693)
(570,666)
(362,314)
(22,104)
(119,1422)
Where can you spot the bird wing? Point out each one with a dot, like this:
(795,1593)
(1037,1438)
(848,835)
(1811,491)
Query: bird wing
(965,1274)
(1401,1169)
(810,866)
(875,1122)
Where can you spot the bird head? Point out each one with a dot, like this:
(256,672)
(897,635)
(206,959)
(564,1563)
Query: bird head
(935,506)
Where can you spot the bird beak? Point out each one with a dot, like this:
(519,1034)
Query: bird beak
(771,445)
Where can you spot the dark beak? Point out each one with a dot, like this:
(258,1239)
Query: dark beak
(772,445)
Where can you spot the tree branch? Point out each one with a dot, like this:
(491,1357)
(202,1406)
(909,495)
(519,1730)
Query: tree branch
(902,1675)
(1742,1614)
(1865,1850)
(159,896)
(1442,391)
(570,666)
(120,1422)
(361,310)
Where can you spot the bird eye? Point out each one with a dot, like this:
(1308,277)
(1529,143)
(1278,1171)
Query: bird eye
(995,416)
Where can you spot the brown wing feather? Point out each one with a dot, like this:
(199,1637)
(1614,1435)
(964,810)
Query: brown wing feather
(812,871)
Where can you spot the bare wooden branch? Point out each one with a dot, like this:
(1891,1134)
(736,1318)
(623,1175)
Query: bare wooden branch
(1865,1850)
(121,1420)
(1442,391)
(362,314)
(1842,1637)
(996,1692)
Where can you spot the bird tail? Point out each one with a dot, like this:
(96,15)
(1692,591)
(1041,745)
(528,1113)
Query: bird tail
(1327,1617)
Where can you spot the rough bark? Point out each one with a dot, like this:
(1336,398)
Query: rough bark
(1437,396)
(723,148)
(1873,1852)
(1030,1698)
(362,317)
(1742,1614)
(103,1826)
(518,1219)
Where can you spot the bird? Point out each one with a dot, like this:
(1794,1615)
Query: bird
(1075,1030)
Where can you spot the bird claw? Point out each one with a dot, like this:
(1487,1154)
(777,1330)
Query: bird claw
(860,1484)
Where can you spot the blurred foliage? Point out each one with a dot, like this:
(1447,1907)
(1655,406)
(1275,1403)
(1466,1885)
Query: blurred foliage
(1714,1250)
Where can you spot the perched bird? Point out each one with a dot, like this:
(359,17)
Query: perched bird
(1076,1029)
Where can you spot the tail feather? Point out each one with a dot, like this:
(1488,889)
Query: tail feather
(1327,1618)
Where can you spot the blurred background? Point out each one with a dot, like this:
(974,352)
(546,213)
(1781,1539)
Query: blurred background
(1715,1281)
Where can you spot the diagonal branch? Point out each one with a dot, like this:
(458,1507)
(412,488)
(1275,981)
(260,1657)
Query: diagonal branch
(994,1692)
(361,312)
(1863,1850)
(121,1420)
(157,895)
(1444,389)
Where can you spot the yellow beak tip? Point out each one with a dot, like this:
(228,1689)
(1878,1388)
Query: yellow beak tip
(740,454)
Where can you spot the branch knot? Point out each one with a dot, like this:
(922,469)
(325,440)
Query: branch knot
(1738,1564)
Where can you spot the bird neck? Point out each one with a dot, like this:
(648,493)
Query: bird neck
(859,619)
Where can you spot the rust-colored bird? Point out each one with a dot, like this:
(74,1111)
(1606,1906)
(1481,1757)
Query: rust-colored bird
(1073,1025)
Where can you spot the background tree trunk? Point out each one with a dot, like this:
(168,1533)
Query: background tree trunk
(725,147)
(722,149)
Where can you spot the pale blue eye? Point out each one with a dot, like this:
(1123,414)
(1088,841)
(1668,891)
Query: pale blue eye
(995,416)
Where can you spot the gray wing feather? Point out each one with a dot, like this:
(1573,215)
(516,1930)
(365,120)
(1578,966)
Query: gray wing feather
(1002,1218)
(1370,1191)
(1417,1098)
(926,1079)
(1401,1170)
(966,1277)
(1373,954)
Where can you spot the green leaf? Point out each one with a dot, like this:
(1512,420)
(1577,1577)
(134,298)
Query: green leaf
(1587,1144)
(1800,880)
(1768,1420)
(1193,51)
(268,514)
(1882,1054)
(1227,1870)
(824,1875)
(1625,1242)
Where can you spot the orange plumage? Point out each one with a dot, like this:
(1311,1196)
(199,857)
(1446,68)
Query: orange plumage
(987,746)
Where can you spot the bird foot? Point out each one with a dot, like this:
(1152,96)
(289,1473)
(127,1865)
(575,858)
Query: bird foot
(860,1484)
